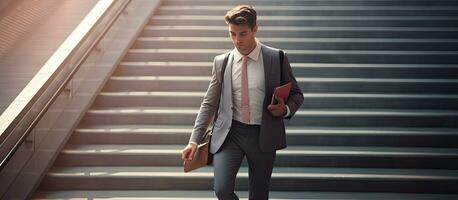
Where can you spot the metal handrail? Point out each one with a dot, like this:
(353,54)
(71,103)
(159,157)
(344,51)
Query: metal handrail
(45,108)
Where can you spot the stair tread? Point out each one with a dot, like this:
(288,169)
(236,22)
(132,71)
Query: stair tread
(308,112)
(186,129)
(154,93)
(293,64)
(307,95)
(299,79)
(294,51)
(209,195)
(291,8)
(288,18)
(298,39)
(302,28)
(290,150)
(278,172)
(378,112)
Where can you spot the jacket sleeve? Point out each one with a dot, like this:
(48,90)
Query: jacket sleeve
(296,96)
(209,104)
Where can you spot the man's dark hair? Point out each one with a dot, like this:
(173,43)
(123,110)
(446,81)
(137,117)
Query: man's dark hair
(241,15)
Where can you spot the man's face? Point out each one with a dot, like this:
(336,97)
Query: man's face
(243,37)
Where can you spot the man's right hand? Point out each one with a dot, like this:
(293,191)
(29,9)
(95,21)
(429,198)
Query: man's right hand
(188,152)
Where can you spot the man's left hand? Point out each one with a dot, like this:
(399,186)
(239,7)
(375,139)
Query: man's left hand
(278,109)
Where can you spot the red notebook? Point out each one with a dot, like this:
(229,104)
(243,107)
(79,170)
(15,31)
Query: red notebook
(282,92)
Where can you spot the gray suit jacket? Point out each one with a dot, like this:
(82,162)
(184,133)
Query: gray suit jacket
(272,133)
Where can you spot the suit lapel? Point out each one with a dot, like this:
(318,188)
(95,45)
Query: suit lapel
(227,85)
(267,61)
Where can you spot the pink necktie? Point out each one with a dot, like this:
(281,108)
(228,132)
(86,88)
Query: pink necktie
(244,89)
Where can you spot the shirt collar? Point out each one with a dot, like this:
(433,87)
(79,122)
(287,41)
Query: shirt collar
(254,55)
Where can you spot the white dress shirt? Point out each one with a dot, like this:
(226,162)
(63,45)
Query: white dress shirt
(256,84)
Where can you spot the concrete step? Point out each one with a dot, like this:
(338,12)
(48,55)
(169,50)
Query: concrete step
(316,3)
(293,156)
(380,101)
(296,135)
(316,117)
(304,56)
(302,43)
(325,70)
(305,32)
(314,100)
(308,85)
(210,195)
(283,179)
(301,10)
(375,117)
(348,21)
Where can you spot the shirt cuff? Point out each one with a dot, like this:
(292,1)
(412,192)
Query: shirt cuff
(191,142)
(287,111)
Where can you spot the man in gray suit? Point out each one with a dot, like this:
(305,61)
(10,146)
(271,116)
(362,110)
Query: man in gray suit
(247,123)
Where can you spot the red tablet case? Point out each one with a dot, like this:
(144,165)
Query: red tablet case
(282,92)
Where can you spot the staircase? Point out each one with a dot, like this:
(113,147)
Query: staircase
(379,120)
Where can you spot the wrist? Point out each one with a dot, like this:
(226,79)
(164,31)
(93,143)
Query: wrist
(288,112)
